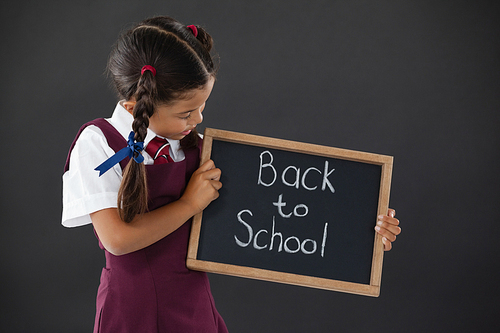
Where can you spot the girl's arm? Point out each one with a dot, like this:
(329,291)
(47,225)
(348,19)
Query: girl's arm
(121,238)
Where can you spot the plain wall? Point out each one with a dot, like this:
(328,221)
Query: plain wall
(418,80)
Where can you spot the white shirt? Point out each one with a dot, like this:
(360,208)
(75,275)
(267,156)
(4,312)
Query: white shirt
(84,192)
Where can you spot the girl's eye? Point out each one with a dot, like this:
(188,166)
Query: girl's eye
(186,117)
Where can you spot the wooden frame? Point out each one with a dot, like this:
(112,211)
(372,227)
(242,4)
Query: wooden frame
(386,162)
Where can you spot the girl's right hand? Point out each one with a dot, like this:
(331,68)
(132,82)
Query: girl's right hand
(203,187)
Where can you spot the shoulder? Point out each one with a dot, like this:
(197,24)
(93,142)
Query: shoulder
(90,138)
(90,146)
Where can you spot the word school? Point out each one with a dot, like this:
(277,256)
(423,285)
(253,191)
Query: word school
(291,244)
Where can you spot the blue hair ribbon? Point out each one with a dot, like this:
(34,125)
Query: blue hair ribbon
(129,151)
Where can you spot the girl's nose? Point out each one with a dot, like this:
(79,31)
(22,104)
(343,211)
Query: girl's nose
(196,116)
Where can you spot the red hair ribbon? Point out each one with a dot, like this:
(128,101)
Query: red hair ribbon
(148,68)
(193,29)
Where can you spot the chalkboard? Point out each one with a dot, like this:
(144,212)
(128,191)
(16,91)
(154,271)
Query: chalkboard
(293,212)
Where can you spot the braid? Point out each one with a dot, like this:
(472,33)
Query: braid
(144,107)
(133,192)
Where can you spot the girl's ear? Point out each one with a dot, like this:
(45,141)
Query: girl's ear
(129,106)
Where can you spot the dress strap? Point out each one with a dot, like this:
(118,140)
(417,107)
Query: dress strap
(115,140)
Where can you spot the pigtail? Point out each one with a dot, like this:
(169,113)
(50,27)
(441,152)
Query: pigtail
(133,192)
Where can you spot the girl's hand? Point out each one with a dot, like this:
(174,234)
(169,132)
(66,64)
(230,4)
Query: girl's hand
(120,238)
(203,187)
(388,227)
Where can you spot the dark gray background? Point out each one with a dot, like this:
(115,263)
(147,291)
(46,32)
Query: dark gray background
(418,80)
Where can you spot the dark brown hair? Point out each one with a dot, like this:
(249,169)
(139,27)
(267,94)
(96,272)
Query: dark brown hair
(183,63)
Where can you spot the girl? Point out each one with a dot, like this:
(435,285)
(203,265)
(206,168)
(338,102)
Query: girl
(164,74)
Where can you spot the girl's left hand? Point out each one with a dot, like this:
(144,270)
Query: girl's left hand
(388,227)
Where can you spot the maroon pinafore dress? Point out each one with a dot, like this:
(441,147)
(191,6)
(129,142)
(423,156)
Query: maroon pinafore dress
(151,290)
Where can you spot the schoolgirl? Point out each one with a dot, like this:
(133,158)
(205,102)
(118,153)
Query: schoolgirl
(164,73)
(136,178)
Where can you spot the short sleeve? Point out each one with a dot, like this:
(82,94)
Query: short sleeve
(84,192)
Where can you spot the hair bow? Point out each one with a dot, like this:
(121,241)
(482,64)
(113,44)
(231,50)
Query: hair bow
(133,148)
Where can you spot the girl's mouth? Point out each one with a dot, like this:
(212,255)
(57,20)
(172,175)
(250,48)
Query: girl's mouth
(186,132)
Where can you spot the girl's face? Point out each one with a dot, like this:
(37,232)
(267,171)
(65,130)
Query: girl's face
(178,119)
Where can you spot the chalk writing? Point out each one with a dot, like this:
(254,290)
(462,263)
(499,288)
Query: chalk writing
(291,244)
(298,181)
(281,204)
(270,239)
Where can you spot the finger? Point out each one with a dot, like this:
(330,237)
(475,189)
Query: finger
(208,165)
(391,212)
(215,195)
(391,236)
(387,244)
(393,228)
(216,184)
(388,219)
(213,174)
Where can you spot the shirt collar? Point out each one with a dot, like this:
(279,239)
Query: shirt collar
(122,121)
